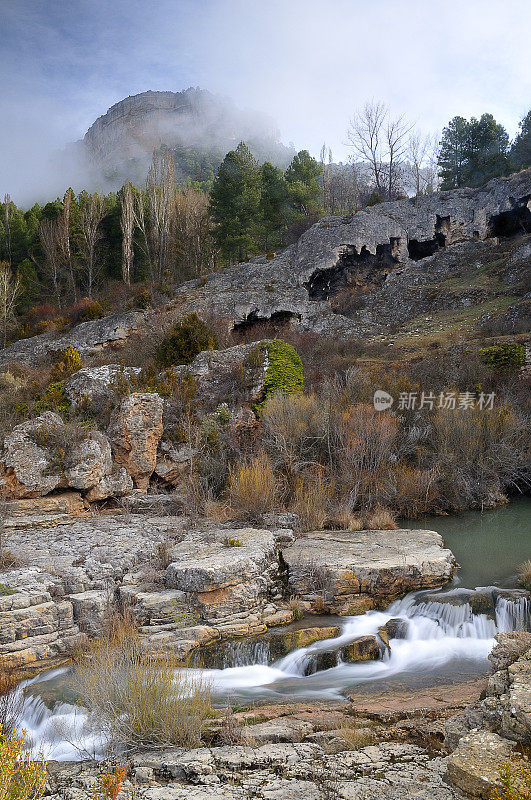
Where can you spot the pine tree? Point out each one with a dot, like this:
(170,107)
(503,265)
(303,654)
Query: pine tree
(274,204)
(520,155)
(473,152)
(235,203)
(303,179)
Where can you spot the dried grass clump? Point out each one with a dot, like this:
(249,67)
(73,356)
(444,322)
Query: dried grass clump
(524,574)
(253,488)
(357,737)
(136,700)
(381,519)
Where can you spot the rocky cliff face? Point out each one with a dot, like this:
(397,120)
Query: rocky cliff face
(121,142)
(356,276)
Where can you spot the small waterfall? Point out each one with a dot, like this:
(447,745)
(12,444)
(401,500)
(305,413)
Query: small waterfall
(443,636)
(513,615)
(245,653)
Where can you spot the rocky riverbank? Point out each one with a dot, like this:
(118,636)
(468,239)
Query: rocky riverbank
(386,747)
(188,585)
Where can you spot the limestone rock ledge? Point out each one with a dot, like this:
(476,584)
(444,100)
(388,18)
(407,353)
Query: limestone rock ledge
(345,569)
(188,586)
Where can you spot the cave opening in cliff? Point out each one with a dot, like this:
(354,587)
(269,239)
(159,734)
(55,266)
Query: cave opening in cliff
(354,273)
(513,222)
(422,248)
(255,327)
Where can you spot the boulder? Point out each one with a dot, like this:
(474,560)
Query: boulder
(230,572)
(135,431)
(34,628)
(506,706)
(474,766)
(90,462)
(396,628)
(173,465)
(90,610)
(42,455)
(383,564)
(509,647)
(366,648)
(97,383)
(281,642)
(29,468)
(116,484)
(234,377)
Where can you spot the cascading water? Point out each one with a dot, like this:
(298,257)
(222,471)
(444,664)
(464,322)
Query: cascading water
(443,639)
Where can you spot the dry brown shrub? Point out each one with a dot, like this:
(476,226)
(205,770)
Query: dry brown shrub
(253,488)
(524,574)
(136,699)
(296,432)
(311,497)
(381,519)
(416,491)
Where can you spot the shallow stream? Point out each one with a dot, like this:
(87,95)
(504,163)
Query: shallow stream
(446,636)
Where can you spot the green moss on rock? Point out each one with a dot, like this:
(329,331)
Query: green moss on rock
(284,372)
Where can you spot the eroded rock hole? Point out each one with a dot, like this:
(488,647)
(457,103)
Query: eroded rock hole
(265,327)
(513,222)
(355,273)
(418,250)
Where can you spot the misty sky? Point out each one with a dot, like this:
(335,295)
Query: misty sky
(308,64)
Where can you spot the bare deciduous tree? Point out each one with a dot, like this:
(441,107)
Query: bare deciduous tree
(160,189)
(9,292)
(127,225)
(396,138)
(194,247)
(381,142)
(141,222)
(326,176)
(422,156)
(63,239)
(366,137)
(92,212)
(52,257)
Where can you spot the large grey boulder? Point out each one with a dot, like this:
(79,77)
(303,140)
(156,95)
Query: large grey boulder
(229,572)
(341,565)
(28,466)
(234,376)
(474,767)
(44,454)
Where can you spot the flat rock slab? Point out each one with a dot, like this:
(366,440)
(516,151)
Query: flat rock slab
(383,564)
(396,705)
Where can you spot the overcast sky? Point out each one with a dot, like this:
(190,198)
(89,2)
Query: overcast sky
(308,64)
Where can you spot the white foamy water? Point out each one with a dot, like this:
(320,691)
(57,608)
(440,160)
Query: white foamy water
(439,634)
